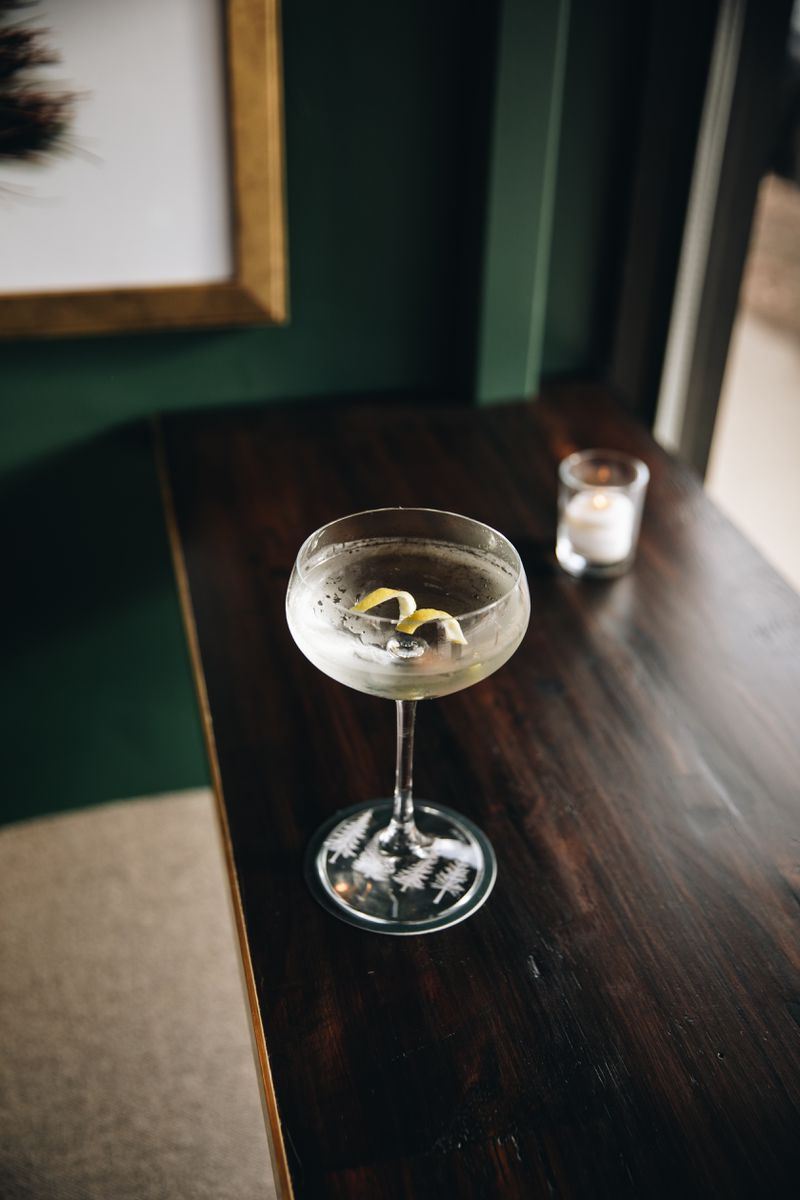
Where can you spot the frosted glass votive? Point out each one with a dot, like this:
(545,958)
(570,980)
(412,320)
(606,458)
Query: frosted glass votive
(600,500)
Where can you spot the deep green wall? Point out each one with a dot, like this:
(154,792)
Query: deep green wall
(388,119)
(95,697)
(383,145)
(378,108)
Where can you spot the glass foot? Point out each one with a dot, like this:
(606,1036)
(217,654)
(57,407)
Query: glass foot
(440,884)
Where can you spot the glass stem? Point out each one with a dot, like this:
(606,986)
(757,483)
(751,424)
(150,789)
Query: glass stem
(401,835)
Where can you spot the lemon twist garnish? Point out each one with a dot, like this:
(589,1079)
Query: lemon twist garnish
(404,599)
(452,629)
(412,617)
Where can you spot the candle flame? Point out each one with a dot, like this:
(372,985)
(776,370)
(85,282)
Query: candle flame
(600,501)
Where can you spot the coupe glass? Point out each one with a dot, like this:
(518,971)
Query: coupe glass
(392,865)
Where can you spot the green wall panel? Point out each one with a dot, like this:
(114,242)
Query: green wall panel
(389,115)
(524,159)
(95,696)
(95,689)
(375,101)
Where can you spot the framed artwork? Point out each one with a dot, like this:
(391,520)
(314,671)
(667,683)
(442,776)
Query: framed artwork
(162,204)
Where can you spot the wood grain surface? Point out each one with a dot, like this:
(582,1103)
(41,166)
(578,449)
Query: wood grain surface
(622,1018)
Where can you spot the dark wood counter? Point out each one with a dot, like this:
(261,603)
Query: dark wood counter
(622,1018)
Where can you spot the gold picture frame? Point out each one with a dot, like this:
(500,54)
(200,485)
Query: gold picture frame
(257,292)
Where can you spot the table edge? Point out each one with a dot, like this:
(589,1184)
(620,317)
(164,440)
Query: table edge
(269,1099)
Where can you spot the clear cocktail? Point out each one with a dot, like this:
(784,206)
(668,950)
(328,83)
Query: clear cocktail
(405,604)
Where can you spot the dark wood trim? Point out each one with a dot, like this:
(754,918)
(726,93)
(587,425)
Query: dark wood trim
(748,146)
(277,1146)
(679,53)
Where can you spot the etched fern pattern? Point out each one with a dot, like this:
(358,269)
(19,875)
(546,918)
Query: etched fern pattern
(417,874)
(373,864)
(346,839)
(450,880)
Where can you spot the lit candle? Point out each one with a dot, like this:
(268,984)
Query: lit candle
(600,525)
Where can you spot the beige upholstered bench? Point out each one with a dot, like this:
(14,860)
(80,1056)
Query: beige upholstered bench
(126,1068)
